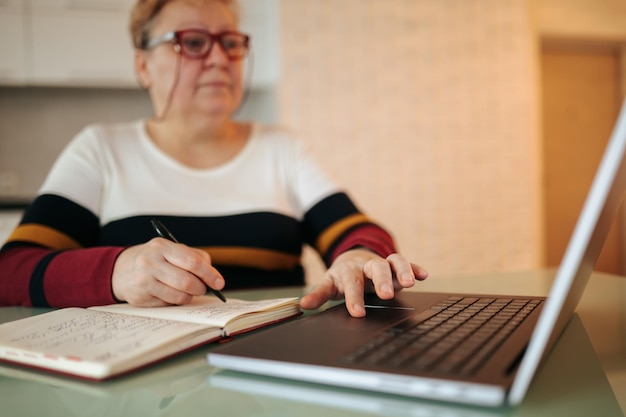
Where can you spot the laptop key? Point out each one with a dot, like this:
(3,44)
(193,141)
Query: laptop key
(458,337)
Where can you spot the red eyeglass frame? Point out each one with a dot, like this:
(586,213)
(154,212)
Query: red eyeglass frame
(176,36)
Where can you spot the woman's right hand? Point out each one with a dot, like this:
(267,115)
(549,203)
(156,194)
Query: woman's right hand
(160,272)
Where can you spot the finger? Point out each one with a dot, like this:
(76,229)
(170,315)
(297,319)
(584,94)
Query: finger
(379,271)
(420,273)
(179,280)
(207,272)
(145,299)
(322,292)
(353,293)
(149,301)
(402,269)
(163,294)
(154,302)
(168,273)
(154,293)
(197,264)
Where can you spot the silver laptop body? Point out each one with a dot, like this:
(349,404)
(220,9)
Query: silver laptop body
(321,348)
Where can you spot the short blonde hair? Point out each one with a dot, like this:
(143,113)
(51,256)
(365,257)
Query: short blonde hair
(144,12)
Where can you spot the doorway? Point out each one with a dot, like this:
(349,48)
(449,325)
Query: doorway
(580,102)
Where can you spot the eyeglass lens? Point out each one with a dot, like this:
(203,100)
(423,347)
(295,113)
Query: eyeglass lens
(198,44)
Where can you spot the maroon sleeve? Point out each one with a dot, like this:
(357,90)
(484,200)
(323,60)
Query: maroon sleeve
(369,236)
(33,276)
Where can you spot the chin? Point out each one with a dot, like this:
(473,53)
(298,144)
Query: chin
(225,111)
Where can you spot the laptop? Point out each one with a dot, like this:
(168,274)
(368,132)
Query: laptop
(464,348)
(331,400)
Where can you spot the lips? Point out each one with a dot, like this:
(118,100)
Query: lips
(214,84)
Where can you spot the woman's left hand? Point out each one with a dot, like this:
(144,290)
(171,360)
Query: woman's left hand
(357,270)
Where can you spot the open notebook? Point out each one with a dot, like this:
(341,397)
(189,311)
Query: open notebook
(101,342)
(431,345)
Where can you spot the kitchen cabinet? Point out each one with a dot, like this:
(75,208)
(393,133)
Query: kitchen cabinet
(12,64)
(80,43)
(9,218)
(85,43)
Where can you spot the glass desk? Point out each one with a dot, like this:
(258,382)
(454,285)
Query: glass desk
(571,382)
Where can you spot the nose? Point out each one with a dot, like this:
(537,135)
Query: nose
(217,54)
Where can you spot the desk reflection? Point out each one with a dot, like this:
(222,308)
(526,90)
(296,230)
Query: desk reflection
(571,382)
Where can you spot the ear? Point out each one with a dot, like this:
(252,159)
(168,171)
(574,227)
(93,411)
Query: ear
(141,69)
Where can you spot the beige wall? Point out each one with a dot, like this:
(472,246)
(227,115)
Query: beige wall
(427,112)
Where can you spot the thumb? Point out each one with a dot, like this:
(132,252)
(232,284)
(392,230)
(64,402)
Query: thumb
(321,293)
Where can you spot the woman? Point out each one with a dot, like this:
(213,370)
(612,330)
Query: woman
(242,196)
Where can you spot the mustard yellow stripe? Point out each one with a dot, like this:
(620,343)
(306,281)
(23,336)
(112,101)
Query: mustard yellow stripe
(252,257)
(43,235)
(334,231)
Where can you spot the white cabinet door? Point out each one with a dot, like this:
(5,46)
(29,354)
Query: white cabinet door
(81,43)
(87,43)
(8,220)
(12,56)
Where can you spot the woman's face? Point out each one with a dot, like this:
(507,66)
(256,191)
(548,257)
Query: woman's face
(210,86)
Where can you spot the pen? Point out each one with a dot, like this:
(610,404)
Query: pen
(162,231)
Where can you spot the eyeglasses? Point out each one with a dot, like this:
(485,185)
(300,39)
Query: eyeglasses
(197,43)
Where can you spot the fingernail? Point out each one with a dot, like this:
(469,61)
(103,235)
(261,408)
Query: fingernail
(358,308)
(386,288)
(408,278)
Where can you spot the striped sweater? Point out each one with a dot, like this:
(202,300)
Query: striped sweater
(251,214)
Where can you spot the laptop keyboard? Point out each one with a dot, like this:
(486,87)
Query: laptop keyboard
(456,340)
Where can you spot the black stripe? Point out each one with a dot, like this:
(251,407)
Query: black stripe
(250,278)
(36,285)
(262,230)
(328,211)
(11,245)
(66,216)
